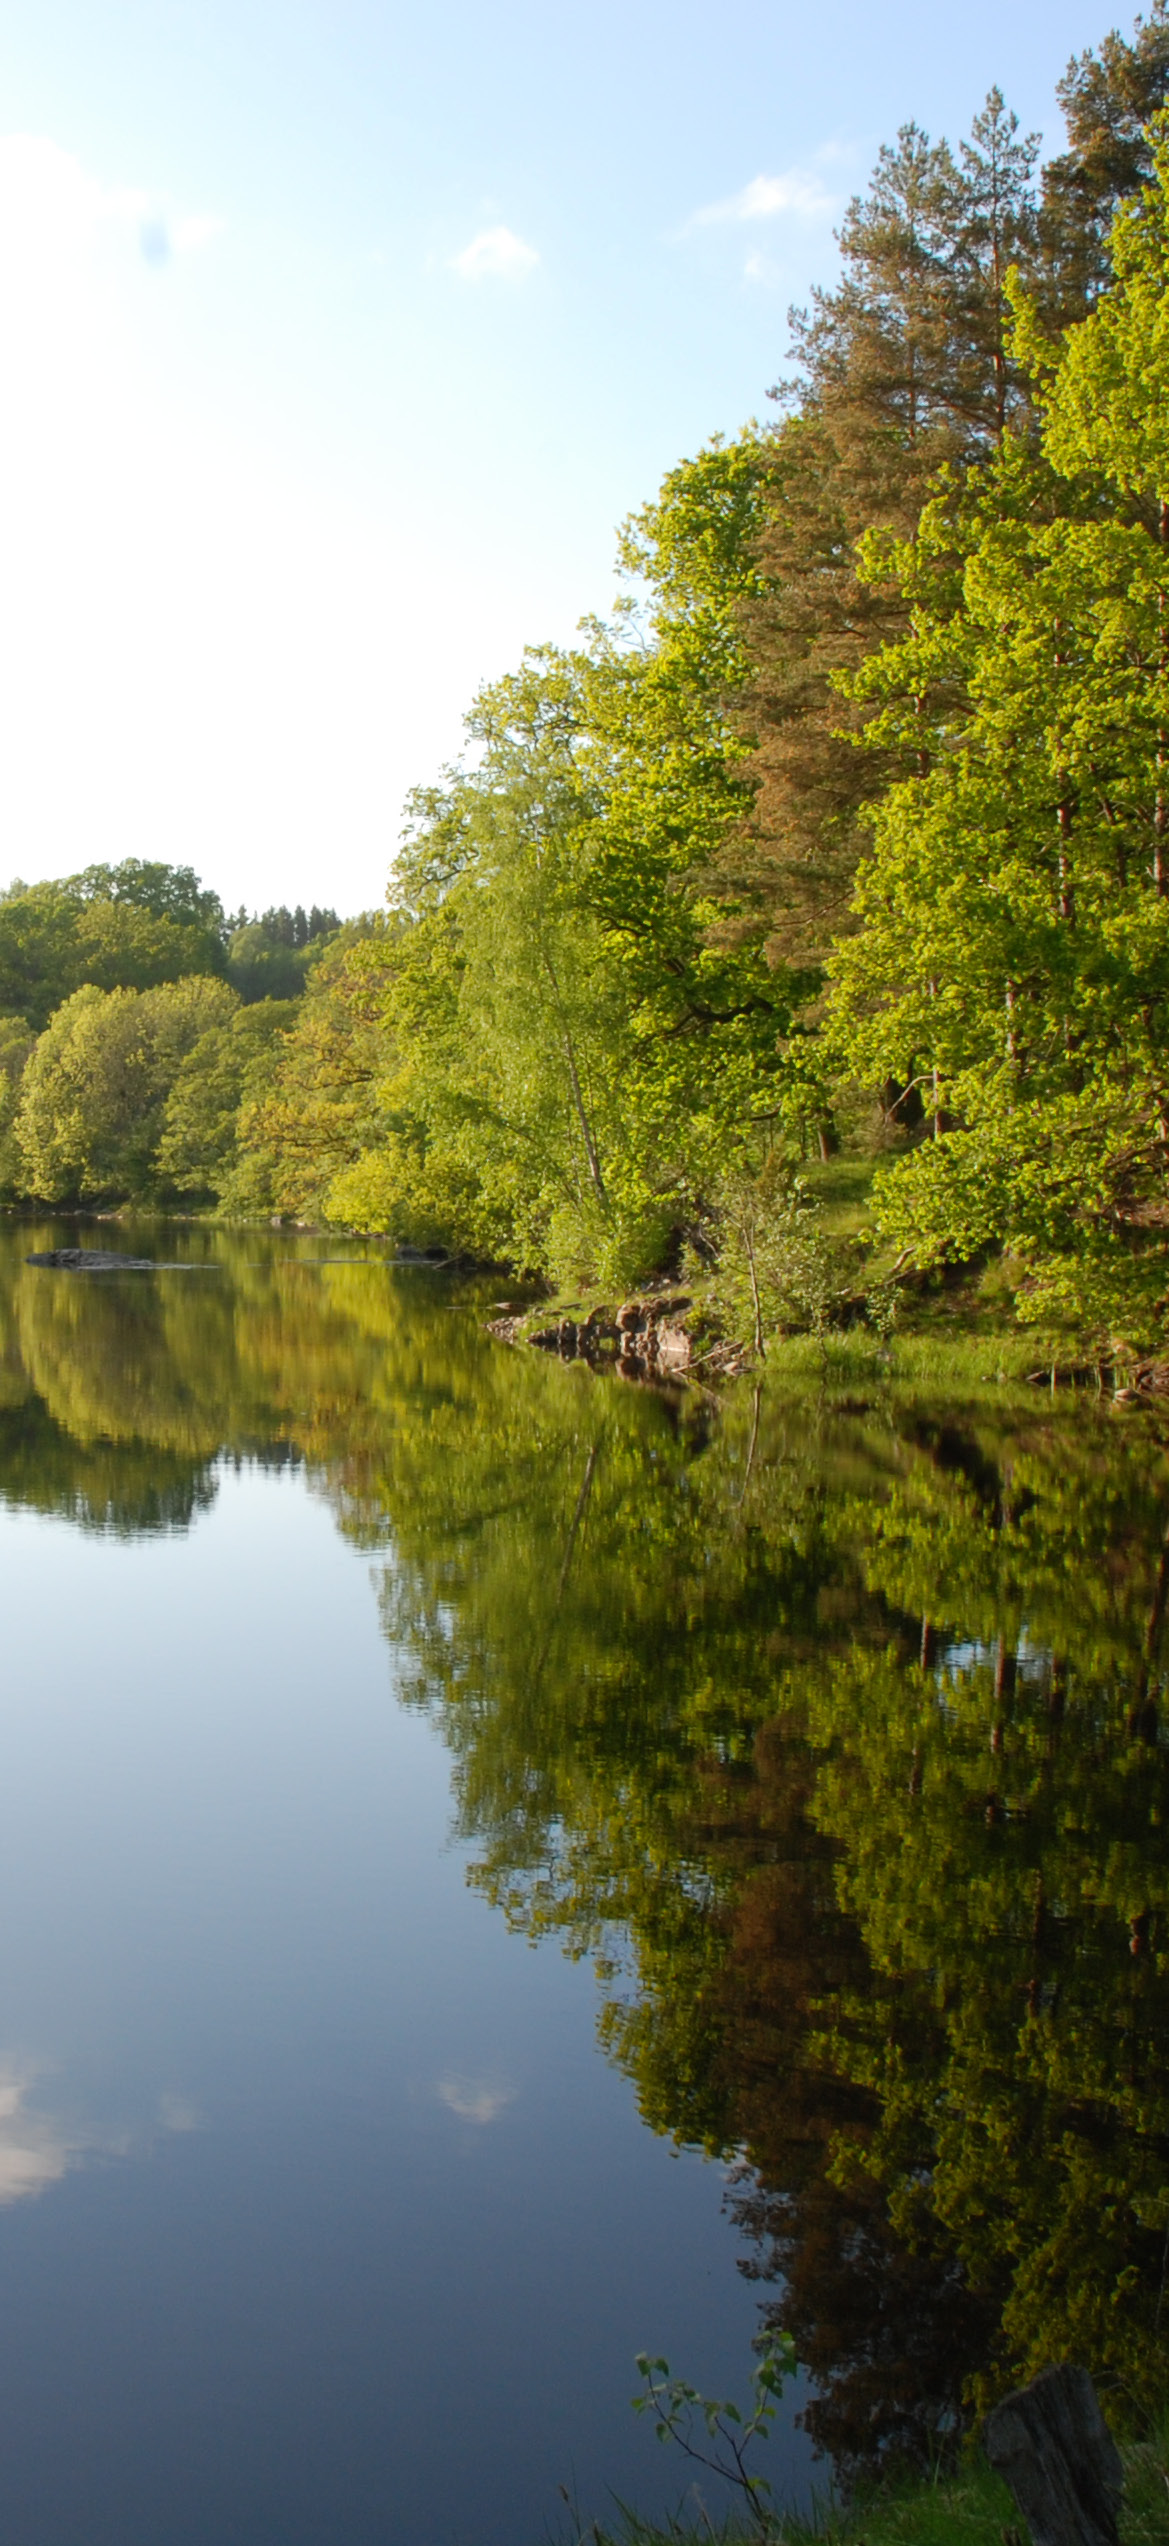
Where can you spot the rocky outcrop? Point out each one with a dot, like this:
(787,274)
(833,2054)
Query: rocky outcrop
(652,1338)
(644,1338)
(508,1328)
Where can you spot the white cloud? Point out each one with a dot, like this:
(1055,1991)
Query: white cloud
(37,2149)
(53,214)
(496,251)
(33,2151)
(799,193)
(474,2099)
(196,230)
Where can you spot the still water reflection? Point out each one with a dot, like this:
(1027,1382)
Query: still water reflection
(824,1735)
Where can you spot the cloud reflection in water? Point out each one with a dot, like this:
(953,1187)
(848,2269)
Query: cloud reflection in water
(475,2099)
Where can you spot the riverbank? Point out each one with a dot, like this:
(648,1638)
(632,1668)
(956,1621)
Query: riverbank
(853,1312)
(957,1329)
(863,1317)
(944,1342)
(970,2507)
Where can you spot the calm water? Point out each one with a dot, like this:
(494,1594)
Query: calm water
(815,1746)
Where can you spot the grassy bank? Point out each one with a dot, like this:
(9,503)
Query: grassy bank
(955,1328)
(971,2507)
(950,1340)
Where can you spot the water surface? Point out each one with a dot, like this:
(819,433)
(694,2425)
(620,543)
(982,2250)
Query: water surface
(348,1657)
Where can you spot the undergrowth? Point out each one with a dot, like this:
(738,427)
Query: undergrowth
(970,2507)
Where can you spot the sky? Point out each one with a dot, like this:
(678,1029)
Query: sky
(337,337)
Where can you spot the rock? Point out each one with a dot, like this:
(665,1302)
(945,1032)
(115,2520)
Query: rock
(84,1259)
(1152,1378)
(674,1348)
(635,1317)
(573,1342)
(650,1338)
(1051,2444)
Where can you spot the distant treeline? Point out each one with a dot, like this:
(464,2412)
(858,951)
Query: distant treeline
(132,926)
(851,825)
(136,1021)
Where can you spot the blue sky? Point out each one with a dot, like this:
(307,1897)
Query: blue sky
(336,341)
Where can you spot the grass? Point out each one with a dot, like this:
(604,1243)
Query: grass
(930,1361)
(842,1187)
(971,2507)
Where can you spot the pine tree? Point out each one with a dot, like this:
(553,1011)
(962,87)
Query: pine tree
(1108,100)
(904,366)
(876,352)
(998,231)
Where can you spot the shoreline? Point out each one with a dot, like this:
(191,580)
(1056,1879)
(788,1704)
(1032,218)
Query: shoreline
(968,2506)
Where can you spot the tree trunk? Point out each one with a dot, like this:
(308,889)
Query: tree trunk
(1051,2444)
(1160,811)
(760,1346)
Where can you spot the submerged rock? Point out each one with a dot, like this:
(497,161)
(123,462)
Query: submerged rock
(86,1259)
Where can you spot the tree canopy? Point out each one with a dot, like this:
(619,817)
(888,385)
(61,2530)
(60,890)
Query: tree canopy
(1012,953)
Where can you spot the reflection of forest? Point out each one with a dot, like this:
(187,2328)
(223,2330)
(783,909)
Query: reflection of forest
(835,1740)
(119,1392)
(833,1737)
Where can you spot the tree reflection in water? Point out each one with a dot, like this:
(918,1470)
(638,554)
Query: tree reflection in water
(833,1737)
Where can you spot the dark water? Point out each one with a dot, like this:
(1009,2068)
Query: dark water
(347,1656)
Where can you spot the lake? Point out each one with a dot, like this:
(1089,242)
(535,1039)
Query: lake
(501,1869)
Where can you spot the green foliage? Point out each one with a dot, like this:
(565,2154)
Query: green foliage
(310,1111)
(1109,99)
(680,2413)
(270,957)
(230,1066)
(125,927)
(90,1119)
(905,364)
(94,1089)
(777,1267)
(147,884)
(1012,956)
(17,1041)
(563,1045)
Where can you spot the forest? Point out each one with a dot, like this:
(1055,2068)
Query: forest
(846,832)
